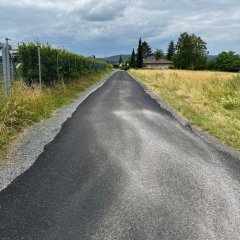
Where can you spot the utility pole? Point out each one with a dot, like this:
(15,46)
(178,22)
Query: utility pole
(39,66)
(6,68)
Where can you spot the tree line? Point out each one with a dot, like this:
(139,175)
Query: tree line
(190,52)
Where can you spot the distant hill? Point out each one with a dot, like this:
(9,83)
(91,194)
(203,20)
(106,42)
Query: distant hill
(211,57)
(115,59)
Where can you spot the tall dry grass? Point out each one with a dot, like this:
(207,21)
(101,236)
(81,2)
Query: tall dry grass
(27,105)
(209,100)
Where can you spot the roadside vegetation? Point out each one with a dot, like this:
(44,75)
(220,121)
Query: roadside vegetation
(64,75)
(209,100)
(30,104)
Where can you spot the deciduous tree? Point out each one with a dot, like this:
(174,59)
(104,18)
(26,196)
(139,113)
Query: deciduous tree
(226,61)
(191,52)
(159,54)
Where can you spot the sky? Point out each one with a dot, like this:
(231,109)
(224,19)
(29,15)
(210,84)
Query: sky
(111,27)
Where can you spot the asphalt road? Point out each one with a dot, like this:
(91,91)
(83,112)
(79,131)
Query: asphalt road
(123,168)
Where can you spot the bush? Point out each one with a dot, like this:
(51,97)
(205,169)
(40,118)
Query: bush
(226,62)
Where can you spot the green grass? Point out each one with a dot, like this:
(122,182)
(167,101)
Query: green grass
(28,105)
(209,100)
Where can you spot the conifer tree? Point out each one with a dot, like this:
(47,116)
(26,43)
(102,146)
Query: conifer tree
(133,60)
(146,50)
(120,60)
(170,51)
(139,54)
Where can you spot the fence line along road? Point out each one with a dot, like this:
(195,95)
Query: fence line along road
(8,66)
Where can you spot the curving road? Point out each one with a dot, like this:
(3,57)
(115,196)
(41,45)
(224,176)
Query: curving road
(123,168)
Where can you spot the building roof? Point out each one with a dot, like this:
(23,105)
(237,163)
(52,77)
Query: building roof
(154,61)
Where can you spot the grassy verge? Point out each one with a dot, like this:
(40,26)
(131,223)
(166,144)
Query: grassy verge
(209,100)
(32,104)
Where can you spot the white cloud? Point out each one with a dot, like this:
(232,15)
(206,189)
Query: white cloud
(45,4)
(92,10)
(89,25)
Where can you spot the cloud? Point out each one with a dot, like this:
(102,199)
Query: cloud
(89,26)
(44,4)
(92,10)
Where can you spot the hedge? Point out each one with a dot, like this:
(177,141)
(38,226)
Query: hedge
(56,64)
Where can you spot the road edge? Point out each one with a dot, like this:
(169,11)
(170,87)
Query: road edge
(30,144)
(221,146)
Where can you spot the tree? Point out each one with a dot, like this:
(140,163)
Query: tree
(226,61)
(191,52)
(159,54)
(146,49)
(133,59)
(120,60)
(139,55)
(170,51)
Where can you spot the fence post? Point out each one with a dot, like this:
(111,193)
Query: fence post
(12,68)
(6,68)
(69,67)
(39,66)
(57,67)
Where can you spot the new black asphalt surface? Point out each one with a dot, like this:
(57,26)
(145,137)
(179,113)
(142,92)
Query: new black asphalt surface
(123,168)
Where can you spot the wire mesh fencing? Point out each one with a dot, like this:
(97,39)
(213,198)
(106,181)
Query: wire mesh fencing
(37,63)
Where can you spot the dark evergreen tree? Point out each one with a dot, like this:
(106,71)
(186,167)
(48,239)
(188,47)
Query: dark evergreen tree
(170,51)
(139,54)
(133,59)
(146,50)
(120,60)
(191,52)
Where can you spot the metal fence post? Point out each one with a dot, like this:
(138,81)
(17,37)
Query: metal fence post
(6,68)
(39,66)
(68,67)
(12,69)
(57,67)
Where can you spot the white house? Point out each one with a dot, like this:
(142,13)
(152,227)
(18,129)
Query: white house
(153,63)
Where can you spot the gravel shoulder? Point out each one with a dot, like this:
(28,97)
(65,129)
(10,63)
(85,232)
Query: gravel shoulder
(30,144)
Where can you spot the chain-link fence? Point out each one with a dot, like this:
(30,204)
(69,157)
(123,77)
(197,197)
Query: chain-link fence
(1,71)
(40,63)
(8,68)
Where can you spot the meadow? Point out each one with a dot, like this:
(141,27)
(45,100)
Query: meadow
(209,100)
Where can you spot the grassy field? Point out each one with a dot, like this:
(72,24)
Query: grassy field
(209,100)
(32,104)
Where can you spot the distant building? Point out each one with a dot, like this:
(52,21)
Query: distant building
(151,62)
